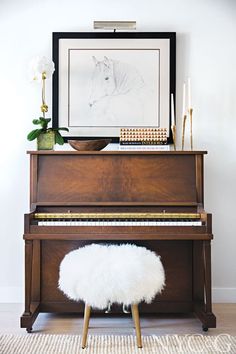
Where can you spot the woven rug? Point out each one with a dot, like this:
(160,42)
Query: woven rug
(71,344)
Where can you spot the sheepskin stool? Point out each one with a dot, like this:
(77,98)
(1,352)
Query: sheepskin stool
(101,274)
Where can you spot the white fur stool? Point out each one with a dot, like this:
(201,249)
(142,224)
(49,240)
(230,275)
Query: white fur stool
(104,274)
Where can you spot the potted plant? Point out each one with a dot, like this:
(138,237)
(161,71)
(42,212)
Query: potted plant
(41,69)
(46,137)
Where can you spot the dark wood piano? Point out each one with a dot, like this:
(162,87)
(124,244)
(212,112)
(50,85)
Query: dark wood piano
(152,199)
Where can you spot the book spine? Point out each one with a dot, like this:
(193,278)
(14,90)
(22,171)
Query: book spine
(144,148)
(154,142)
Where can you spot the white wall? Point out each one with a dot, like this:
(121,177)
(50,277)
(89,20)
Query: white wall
(206,51)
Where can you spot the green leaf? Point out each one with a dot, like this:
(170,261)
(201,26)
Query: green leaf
(58,138)
(34,134)
(45,120)
(36,121)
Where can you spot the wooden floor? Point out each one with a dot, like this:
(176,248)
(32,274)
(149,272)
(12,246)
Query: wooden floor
(162,325)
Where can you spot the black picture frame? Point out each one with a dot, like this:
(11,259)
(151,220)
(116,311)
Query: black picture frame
(58,36)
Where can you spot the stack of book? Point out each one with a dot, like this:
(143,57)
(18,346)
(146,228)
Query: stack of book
(143,139)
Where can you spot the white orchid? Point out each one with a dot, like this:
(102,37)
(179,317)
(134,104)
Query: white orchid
(41,66)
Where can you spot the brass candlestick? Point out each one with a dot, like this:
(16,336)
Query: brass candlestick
(183,130)
(173,129)
(191,127)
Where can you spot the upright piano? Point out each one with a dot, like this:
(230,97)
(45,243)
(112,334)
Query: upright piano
(153,199)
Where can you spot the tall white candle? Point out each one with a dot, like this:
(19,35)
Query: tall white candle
(189,94)
(172,110)
(184,99)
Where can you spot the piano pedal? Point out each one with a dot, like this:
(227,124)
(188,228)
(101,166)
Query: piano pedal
(108,310)
(125,309)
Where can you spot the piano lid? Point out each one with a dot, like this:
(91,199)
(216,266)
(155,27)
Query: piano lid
(117,178)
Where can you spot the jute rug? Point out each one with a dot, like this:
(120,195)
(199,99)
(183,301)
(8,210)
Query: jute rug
(71,344)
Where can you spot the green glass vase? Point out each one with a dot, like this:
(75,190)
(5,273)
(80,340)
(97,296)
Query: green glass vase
(46,141)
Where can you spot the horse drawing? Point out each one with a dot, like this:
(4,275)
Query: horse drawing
(117,94)
(112,78)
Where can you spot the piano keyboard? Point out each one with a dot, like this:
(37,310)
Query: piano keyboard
(119,223)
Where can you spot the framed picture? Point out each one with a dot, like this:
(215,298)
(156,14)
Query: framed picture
(107,81)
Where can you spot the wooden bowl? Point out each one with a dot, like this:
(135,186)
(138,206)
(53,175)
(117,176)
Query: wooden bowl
(89,145)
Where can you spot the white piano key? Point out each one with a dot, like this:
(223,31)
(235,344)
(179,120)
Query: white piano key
(119,223)
(197,223)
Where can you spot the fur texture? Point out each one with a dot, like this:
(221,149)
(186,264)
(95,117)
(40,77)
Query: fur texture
(124,274)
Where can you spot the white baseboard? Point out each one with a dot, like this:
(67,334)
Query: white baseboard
(11,294)
(16,295)
(224,295)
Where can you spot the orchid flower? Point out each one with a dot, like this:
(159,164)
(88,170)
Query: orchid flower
(41,67)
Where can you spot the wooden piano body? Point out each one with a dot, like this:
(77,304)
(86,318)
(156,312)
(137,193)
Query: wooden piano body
(119,182)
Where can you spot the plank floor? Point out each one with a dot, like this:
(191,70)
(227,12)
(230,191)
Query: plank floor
(161,325)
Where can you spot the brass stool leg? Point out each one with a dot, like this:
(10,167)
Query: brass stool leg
(135,314)
(87,311)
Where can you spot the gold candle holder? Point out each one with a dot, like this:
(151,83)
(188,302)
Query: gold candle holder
(191,127)
(183,130)
(173,129)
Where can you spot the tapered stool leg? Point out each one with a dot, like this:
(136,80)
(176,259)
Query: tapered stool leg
(87,311)
(135,314)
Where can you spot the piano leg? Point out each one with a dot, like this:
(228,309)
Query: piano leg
(202,284)
(31,308)
(28,275)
